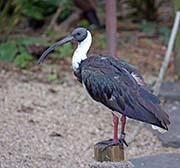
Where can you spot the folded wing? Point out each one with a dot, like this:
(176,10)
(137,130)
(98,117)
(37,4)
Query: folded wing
(113,85)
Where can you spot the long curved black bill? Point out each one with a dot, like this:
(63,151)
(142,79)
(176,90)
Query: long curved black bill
(54,46)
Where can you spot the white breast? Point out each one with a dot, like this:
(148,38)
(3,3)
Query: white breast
(81,52)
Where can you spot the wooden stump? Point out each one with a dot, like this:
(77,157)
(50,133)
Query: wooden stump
(111,153)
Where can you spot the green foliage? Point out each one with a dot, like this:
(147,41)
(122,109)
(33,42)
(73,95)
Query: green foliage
(83,23)
(148,27)
(63,51)
(8,51)
(39,9)
(65,13)
(29,40)
(103,41)
(16,51)
(23,59)
(9,16)
(165,32)
(13,11)
(53,77)
(49,31)
(67,9)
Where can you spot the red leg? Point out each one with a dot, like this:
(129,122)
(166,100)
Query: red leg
(116,140)
(115,121)
(122,135)
(123,123)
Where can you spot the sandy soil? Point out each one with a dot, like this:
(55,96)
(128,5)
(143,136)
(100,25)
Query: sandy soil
(48,125)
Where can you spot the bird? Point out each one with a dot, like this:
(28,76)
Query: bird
(114,83)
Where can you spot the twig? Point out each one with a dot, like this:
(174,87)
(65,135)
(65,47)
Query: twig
(67,23)
(64,26)
(168,54)
(53,21)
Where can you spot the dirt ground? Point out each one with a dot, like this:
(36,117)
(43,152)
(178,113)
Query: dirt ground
(49,125)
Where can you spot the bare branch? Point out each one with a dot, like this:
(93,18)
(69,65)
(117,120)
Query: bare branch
(54,19)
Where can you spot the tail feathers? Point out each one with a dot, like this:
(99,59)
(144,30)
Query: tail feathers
(162,131)
(152,107)
(144,106)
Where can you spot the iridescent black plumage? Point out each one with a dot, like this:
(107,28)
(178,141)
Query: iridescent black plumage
(114,83)
(109,80)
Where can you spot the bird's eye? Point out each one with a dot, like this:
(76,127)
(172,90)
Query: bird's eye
(78,34)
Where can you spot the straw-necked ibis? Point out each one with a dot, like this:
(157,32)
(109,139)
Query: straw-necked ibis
(114,83)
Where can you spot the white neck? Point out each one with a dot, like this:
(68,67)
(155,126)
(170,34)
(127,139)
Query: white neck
(81,52)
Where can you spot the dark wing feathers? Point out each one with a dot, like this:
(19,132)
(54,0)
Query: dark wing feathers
(156,109)
(148,95)
(119,63)
(110,82)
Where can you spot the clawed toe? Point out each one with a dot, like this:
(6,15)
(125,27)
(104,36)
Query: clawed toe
(111,142)
(122,139)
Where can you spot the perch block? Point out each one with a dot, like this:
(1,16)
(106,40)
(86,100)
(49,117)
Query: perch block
(111,153)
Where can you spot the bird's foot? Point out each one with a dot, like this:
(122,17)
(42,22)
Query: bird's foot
(111,142)
(108,143)
(122,139)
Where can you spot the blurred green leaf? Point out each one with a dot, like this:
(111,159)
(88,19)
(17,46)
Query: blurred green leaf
(29,8)
(103,41)
(35,9)
(65,13)
(49,31)
(83,23)
(30,40)
(21,49)
(148,27)
(39,9)
(165,31)
(23,59)
(7,51)
(34,12)
(52,77)
(63,51)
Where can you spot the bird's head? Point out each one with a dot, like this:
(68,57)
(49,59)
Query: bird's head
(79,34)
